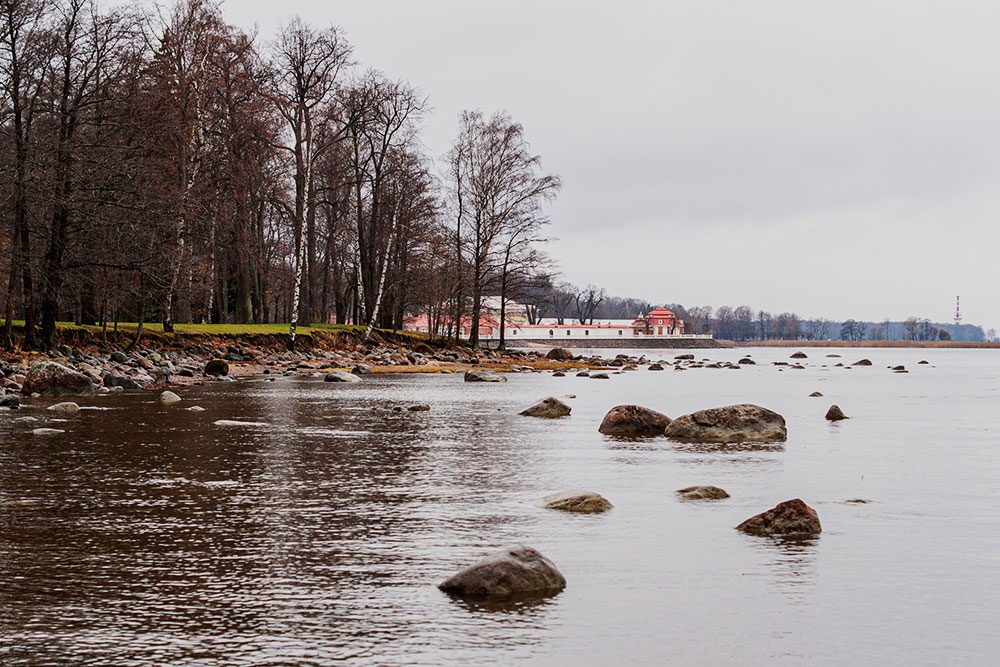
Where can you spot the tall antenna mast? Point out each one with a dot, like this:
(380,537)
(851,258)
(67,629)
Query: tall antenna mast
(958,312)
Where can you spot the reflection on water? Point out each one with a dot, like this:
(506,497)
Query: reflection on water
(146,536)
(790,562)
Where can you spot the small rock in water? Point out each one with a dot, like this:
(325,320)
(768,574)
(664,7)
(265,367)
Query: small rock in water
(169,397)
(792,517)
(862,362)
(815,394)
(558,374)
(361,369)
(513,571)
(21,420)
(747,361)
(702,493)
(548,408)
(799,355)
(923,361)
(600,375)
(195,408)
(10,401)
(233,422)
(419,408)
(858,501)
(47,431)
(835,414)
(68,406)
(340,376)
(684,356)
(584,502)
(484,376)
(655,367)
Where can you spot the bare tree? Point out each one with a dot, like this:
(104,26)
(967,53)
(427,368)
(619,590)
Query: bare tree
(501,188)
(307,65)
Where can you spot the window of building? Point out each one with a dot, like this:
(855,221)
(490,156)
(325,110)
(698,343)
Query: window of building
(586,332)
(567,332)
(550,332)
(619,332)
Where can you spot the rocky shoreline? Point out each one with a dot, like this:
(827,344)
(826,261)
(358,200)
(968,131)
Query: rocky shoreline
(76,371)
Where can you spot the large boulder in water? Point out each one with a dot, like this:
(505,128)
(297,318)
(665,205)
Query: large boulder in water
(51,379)
(560,354)
(513,571)
(733,423)
(792,517)
(217,367)
(484,376)
(633,420)
(548,408)
(585,502)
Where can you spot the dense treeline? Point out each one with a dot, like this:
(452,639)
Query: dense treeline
(166,166)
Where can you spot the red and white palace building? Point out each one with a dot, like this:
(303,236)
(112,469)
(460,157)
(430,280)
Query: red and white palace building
(657,323)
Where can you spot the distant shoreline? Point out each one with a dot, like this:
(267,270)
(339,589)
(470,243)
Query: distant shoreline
(863,343)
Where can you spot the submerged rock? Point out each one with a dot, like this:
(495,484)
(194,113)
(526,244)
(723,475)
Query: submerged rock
(835,414)
(195,408)
(733,423)
(112,381)
(419,408)
(513,571)
(633,420)
(792,517)
(484,376)
(548,408)
(702,493)
(340,376)
(47,431)
(862,362)
(600,375)
(68,406)
(169,397)
(684,356)
(234,422)
(48,378)
(584,502)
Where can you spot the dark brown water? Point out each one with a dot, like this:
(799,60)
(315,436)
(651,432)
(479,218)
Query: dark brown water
(147,536)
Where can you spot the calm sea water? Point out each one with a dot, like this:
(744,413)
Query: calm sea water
(146,536)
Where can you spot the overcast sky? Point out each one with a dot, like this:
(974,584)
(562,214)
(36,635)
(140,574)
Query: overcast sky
(838,159)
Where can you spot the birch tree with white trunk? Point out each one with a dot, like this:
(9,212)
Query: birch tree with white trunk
(307,65)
